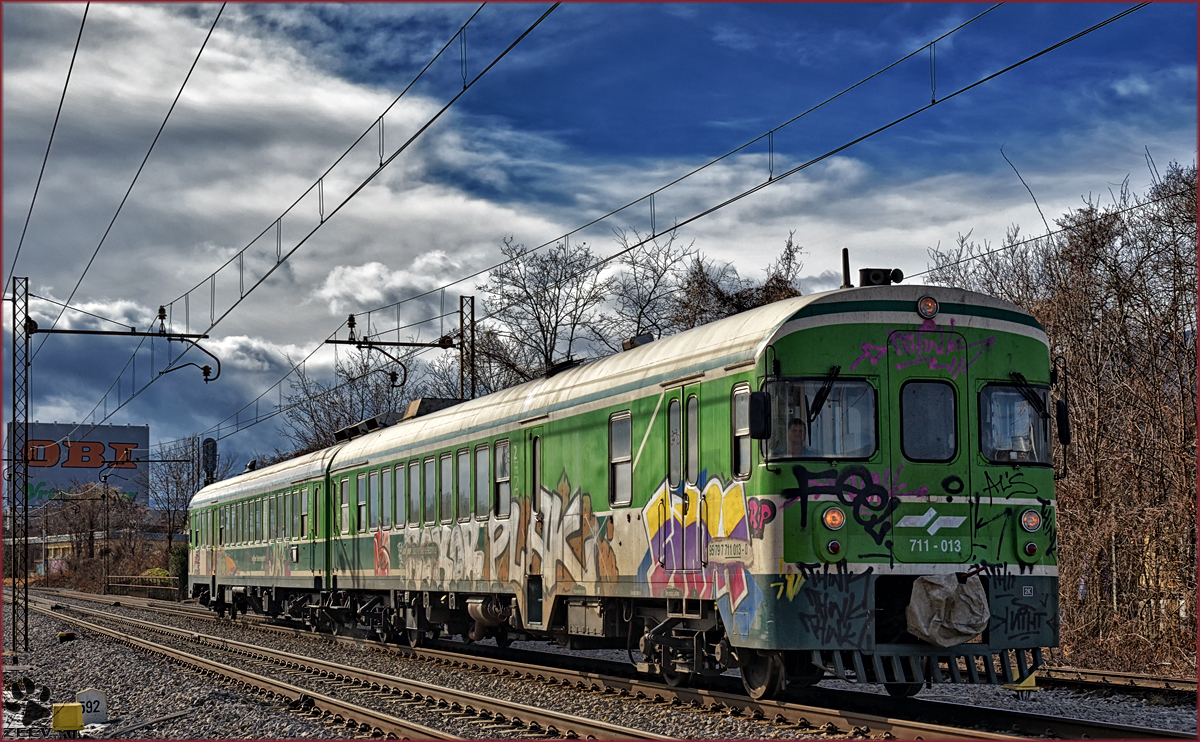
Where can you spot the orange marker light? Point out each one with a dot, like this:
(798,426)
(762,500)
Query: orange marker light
(1031,520)
(834,518)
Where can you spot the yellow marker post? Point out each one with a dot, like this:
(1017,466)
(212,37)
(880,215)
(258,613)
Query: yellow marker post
(1025,688)
(67,717)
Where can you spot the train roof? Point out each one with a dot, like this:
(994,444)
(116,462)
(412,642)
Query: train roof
(723,346)
(267,479)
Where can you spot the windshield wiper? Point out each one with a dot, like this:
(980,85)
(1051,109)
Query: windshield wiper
(1029,394)
(822,394)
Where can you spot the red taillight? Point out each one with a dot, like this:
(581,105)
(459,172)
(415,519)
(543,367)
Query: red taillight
(834,547)
(1030,548)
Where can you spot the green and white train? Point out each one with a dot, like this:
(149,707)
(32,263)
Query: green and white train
(857,482)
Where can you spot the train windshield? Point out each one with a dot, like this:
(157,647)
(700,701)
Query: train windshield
(839,424)
(1014,429)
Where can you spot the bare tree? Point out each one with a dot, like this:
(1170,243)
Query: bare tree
(1116,293)
(172,484)
(643,292)
(315,410)
(710,291)
(543,307)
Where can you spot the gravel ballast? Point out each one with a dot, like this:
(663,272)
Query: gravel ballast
(153,688)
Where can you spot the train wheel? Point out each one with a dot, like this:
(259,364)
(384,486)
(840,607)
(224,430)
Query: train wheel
(501,634)
(676,679)
(902,690)
(763,675)
(416,637)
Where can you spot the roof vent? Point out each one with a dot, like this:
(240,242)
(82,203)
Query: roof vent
(879,276)
(362,427)
(555,369)
(426,405)
(637,342)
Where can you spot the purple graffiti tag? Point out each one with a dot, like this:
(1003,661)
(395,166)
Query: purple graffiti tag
(872,353)
(759,513)
(932,345)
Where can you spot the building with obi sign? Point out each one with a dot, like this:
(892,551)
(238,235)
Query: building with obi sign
(64,455)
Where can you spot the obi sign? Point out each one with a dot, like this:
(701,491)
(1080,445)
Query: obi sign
(63,455)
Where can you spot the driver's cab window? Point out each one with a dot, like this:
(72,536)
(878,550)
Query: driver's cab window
(822,418)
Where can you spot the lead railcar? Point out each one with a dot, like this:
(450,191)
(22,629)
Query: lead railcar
(856,482)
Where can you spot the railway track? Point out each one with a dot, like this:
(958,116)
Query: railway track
(495,717)
(851,712)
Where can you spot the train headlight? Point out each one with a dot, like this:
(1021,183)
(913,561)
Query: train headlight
(1031,520)
(927,307)
(833,518)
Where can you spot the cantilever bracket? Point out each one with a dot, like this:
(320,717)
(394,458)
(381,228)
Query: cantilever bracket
(205,369)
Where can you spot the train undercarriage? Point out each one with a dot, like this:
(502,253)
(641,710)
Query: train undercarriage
(675,645)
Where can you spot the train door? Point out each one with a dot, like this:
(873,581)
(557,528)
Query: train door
(535,540)
(694,529)
(308,529)
(681,511)
(928,483)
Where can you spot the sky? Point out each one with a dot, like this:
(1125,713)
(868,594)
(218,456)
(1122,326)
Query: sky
(597,107)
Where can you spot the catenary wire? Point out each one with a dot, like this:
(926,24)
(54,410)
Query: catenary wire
(690,173)
(795,169)
(135,175)
(839,149)
(384,164)
(77,309)
(341,157)
(53,128)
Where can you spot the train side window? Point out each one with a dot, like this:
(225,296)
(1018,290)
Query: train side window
(620,459)
(674,442)
(389,504)
(446,488)
(344,510)
(693,439)
(503,491)
(221,527)
(481,482)
(285,528)
(256,512)
(272,510)
(375,511)
(362,513)
(296,531)
(304,513)
(316,513)
(464,485)
(430,491)
(414,493)
(741,431)
(401,496)
(928,423)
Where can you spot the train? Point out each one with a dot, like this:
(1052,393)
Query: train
(857,483)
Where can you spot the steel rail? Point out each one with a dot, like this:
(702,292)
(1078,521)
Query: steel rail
(1124,681)
(553,723)
(298,698)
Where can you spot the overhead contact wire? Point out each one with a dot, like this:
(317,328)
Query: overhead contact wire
(136,175)
(46,157)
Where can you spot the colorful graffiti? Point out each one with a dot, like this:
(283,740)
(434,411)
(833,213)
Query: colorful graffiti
(382,559)
(699,547)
